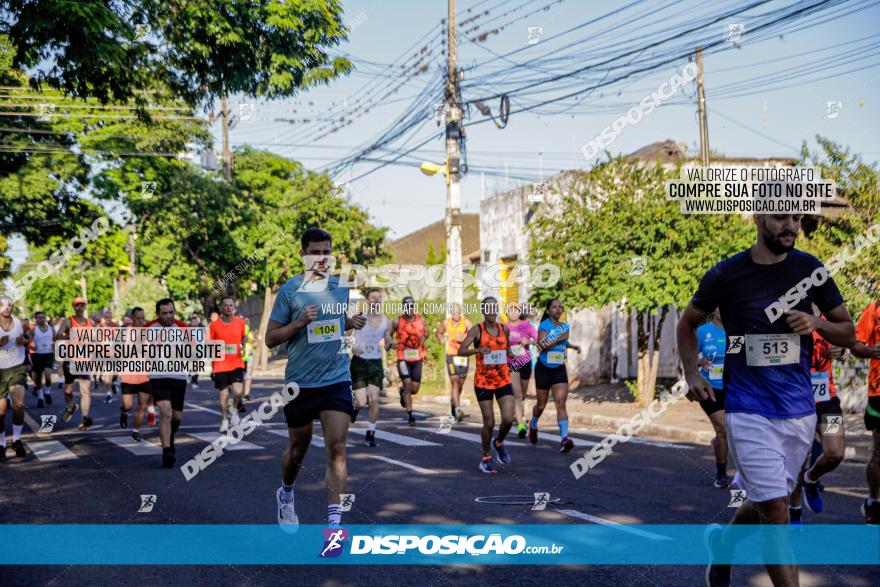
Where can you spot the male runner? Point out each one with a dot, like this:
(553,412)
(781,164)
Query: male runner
(712,345)
(135,384)
(78,320)
(13,374)
(411,332)
(230,371)
(769,404)
(42,358)
(366,361)
(551,375)
(452,332)
(491,380)
(829,429)
(309,315)
(868,347)
(522,335)
(168,388)
(107,321)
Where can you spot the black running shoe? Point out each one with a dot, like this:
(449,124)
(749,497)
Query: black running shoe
(48,397)
(241,408)
(402,403)
(40,403)
(168,459)
(123,420)
(371,439)
(68,413)
(136,436)
(85,424)
(18,447)
(412,420)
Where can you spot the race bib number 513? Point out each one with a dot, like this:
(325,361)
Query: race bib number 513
(772,350)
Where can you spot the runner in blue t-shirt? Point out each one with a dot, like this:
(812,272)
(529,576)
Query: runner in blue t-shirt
(309,314)
(550,372)
(765,295)
(711,347)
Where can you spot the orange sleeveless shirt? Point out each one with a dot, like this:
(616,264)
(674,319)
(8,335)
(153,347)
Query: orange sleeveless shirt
(488,375)
(409,337)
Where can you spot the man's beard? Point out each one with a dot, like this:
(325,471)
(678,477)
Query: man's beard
(774,243)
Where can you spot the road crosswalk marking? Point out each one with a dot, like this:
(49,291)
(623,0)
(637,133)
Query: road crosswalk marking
(404,465)
(240,445)
(395,438)
(50,450)
(144,448)
(316,440)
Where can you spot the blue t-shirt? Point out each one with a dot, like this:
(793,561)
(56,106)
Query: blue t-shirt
(314,364)
(551,330)
(743,289)
(712,345)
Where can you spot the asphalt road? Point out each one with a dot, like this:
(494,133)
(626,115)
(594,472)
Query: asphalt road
(420,477)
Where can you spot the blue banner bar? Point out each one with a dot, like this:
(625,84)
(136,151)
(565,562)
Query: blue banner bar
(542,544)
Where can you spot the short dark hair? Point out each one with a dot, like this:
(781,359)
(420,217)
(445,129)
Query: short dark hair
(163,302)
(38,312)
(227,297)
(135,309)
(371,290)
(314,235)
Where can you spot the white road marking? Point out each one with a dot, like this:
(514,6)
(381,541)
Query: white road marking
(198,407)
(50,450)
(35,428)
(615,525)
(634,440)
(463,435)
(240,445)
(144,448)
(316,440)
(405,465)
(557,438)
(395,438)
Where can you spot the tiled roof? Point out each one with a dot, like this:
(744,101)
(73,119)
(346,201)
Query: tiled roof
(412,249)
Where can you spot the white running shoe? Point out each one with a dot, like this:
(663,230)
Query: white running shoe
(286,515)
(224,425)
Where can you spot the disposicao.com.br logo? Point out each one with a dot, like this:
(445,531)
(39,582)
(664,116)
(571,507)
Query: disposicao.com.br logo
(476,545)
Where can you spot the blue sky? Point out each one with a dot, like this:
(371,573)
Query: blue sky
(771,120)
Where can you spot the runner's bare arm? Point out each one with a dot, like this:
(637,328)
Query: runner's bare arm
(25,336)
(356,322)
(837,327)
(276,333)
(466,350)
(688,350)
(441,330)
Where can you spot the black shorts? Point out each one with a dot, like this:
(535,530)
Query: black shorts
(711,407)
(309,404)
(166,389)
(366,372)
(454,370)
(225,379)
(132,388)
(487,395)
(70,377)
(42,361)
(872,413)
(410,370)
(525,371)
(546,377)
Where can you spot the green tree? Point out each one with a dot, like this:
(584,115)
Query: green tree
(141,291)
(614,213)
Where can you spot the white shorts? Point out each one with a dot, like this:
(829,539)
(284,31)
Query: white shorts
(768,453)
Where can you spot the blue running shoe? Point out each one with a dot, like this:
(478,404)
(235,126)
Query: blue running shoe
(794,516)
(812,498)
(503,455)
(486,466)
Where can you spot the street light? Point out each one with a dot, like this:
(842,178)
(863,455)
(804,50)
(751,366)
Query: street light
(429,168)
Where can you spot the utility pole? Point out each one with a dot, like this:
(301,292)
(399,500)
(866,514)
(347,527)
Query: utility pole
(701,98)
(227,154)
(453,162)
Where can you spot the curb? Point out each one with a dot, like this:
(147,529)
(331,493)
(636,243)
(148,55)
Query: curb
(666,432)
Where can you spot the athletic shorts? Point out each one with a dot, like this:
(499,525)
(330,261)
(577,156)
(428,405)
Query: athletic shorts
(872,413)
(13,376)
(309,404)
(70,377)
(457,370)
(546,377)
(487,395)
(131,388)
(828,408)
(166,389)
(525,371)
(225,379)
(42,361)
(410,370)
(366,372)
(768,453)
(711,407)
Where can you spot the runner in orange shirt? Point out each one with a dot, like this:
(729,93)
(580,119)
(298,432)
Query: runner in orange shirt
(868,347)
(452,332)
(135,384)
(411,332)
(491,342)
(78,320)
(230,371)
